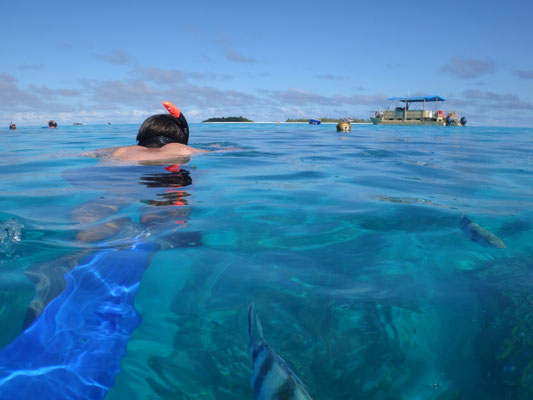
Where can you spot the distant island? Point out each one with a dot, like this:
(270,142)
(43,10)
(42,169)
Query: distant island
(228,119)
(334,120)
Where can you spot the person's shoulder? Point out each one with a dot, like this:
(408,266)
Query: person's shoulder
(180,149)
(119,151)
(112,152)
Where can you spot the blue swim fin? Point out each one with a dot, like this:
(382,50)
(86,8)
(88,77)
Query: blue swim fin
(73,349)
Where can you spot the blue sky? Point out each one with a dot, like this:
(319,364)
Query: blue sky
(115,61)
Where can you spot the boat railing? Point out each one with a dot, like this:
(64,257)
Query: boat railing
(400,114)
(414,114)
(391,114)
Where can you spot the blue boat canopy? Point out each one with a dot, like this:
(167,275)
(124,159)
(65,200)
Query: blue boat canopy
(418,99)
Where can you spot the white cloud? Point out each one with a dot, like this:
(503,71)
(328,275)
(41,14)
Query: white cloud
(524,74)
(468,68)
(116,56)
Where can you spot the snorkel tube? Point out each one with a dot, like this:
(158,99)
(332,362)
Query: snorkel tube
(172,109)
(176,113)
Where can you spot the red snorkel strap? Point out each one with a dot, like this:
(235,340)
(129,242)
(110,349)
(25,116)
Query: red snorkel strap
(172,109)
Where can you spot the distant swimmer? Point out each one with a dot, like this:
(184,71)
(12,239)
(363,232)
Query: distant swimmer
(12,126)
(160,137)
(272,378)
(52,124)
(480,235)
(344,126)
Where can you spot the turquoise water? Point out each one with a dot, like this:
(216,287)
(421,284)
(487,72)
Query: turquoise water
(348,244)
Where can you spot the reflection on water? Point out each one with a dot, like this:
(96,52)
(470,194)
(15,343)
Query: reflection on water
(173,181)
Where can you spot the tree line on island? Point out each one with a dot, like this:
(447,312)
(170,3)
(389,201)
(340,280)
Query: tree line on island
(228,119)
(242,119)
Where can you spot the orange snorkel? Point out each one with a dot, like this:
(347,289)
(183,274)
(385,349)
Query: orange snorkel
(172,109)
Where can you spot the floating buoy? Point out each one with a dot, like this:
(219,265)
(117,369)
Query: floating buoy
(344,127)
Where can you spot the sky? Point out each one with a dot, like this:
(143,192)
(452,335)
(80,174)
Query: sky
(116,61)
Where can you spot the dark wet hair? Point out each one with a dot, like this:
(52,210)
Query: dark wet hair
(161,129)
(52,123)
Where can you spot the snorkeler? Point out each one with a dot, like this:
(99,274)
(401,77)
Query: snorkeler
(52,124)
(160,137)
(12,126)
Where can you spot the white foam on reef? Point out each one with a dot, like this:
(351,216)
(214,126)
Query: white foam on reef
(11,231)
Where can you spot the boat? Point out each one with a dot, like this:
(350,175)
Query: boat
(405,115)
(314,121)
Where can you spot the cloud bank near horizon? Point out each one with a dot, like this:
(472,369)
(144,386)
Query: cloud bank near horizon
(140,92)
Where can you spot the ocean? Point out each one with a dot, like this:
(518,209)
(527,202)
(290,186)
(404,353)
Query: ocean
(353,248)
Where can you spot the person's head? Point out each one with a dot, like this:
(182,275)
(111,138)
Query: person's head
(162,129)
(12,126)
(52,124)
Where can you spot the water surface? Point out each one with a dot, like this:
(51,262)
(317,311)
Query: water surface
(348,244)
